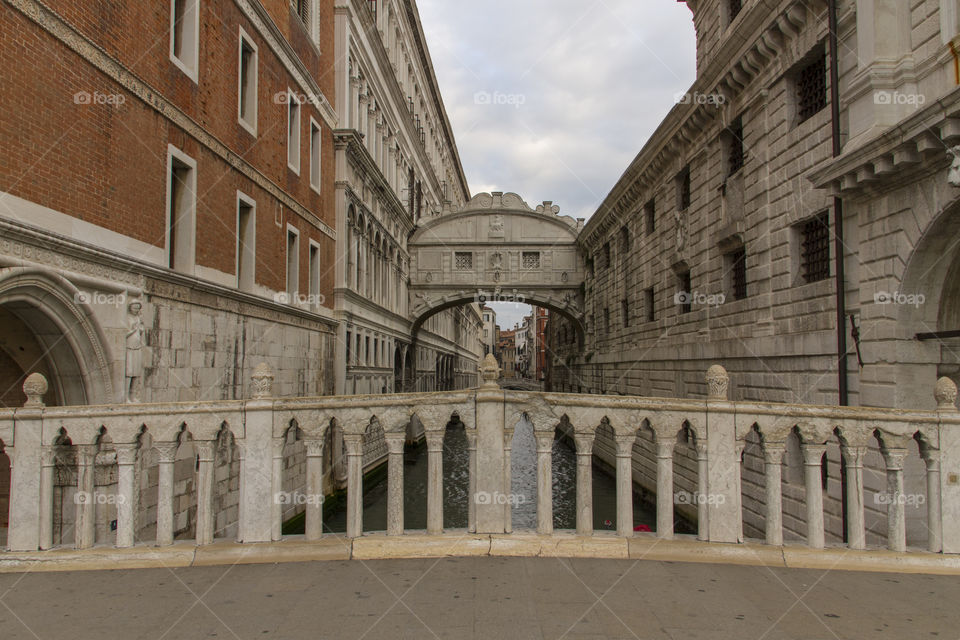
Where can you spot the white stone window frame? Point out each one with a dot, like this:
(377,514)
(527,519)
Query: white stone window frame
(294,131)
(245,200)
(249,123)
(190,62)
(316,155)
(292,284)
(176,155)
(313,272)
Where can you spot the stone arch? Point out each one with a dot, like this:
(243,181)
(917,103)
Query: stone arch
(64,329)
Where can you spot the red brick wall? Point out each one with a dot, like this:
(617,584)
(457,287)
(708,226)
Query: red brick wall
(107,164)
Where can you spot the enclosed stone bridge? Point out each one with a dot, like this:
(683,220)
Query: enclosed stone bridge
(497,249)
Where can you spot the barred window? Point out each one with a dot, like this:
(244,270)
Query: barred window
(735,147)
(531,259)
(812,87)
(624,241)
(684,293)
(464,261)
(735,7)
(738,273)
(303,10)
(683,189)
(625,312)
(606,255)
(606,320)
(648,302)
(649,212)
(815,248)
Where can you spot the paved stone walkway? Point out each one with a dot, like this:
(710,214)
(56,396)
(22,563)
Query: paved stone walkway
(500,598)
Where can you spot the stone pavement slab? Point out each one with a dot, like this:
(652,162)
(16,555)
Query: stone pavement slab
(478,597)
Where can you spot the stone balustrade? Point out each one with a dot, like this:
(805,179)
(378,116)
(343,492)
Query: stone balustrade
(237,470)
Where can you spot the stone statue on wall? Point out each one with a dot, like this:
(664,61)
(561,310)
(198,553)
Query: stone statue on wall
(954,175)
(136,334)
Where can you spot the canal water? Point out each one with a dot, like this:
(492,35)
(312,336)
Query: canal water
(524,489)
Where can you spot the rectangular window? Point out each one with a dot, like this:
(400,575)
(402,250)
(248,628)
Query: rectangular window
(624,241)
(302,7)
(531,259)
(247,90)
(315,298)
(181,211)
(648,303)
(734,147)
(606,320)
(464,261)
(683,189)
(684,293)
(246,242)
(811,87)
(737,266)
(184,35)
(625,312)
(293,264)
(734,8)
(293,132)
(606,255)
(815,248)
(649,214)
(349,346)
(314,155)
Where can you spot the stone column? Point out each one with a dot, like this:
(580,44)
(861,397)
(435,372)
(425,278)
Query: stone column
(625,444)
(665,447)
(703,508)
(395,443)
(85,525)
(472,464)
(48,460)
(206,519)
(314,508)
(490,455)
(435,481)
(354,445)
(723,499)
(896,520)
(507,481)
(126,495)
(167,455)
(934,521)
(258,495)
(812,456)
(949,441)
(26,514)
(276,475)
(773,466)
(853,463)
(544,482)
(584,482)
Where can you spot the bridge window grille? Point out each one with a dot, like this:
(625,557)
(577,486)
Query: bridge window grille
(531,259)
(464,261)
(812,88)
(815,248)
(735,147)
(738,273)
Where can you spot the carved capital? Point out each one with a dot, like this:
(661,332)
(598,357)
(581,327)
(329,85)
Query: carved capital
(813,454)
(395,443)
(625,444)
(853,456)
(166,451)
(262,381)
(773,452)
(435,440)
(205,450)
(665,447)
(584,443)
(314,447)
(126,454)
(354,444)
(893,458)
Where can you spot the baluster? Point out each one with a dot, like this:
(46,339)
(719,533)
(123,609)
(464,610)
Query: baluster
(126,495)
(276,481)
(206,519)
(435,481)
(934,504)
(773,465)
(896,519)
(812,456)
(86,514)
(167,455)
(354,445)
(48,460)
(853,463)
(395,444)
(625,444)
(665,486)
(313,529)
(584,483)
(544,482)
(703,510)
(472,504)
(507,480)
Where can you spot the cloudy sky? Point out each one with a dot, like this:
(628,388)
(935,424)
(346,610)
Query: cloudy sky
(552,99)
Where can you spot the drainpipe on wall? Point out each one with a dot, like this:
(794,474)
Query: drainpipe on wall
(842,390)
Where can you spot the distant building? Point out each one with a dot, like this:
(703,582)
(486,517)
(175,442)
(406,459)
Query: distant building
(507,353)
(489,331)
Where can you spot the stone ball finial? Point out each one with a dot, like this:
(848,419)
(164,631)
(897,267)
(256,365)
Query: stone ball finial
(35,387)
(717,383)
(262,381)
(946,394)
(490,370)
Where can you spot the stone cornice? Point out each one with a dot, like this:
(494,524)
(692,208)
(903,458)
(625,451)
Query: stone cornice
(64,32)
